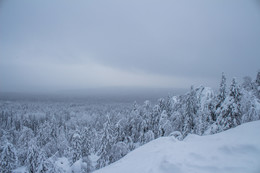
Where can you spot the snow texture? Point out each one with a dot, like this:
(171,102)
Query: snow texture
(233,151)
(22,169)
(63,164)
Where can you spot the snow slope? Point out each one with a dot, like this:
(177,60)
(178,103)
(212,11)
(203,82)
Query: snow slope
(233,151)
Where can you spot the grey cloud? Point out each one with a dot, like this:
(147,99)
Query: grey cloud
(187,39)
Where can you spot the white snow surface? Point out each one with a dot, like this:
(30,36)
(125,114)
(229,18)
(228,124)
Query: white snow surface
(22,169)
(233,151)
(63,164)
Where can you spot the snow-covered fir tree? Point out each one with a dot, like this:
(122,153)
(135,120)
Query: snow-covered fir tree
(118,150)
(119,130)
(148,136)
(248,84)
(155,118)
(230,115)
(168,106)
(250,105)
(222,91)
(86,142)
(107,142)
(8,158)
(42,165)
(86,166)
(24,139)
(32,157)
(143,129)
(257,84)
(165,126)
(190,112)
(76,145)
(62,143)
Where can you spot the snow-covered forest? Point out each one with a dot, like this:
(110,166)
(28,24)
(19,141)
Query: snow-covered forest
(57,136)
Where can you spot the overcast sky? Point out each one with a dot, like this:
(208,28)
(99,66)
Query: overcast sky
(52,45)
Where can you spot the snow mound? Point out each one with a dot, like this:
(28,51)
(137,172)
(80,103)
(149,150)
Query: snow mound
(233,151)
(22,169)
(63,164)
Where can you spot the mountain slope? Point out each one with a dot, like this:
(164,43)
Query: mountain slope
(236,150)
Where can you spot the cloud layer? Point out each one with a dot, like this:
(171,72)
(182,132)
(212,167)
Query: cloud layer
(59,45)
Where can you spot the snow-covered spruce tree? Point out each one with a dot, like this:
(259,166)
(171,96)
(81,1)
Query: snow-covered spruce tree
(257,84)
(147,108)
(165,127)
(155,121)
(168,106)
(148,136)
(107,142)
(135,125)
(86,166)
(62,143)
(206,111)
(42,164)
(250,106)
(178,120)
(222,92)
(119,130)
(23,143)
(190,112)
(252,113)
(247,84)
(143,129)
(44,134)
(177,117)
(146,114)
(52,167)
(86,142)
(162,104)
(76,147)
(52,136)
(203,121)
(230,115)
(8,158)
(121,134)
(3,139)
(118,150)
(32,157)
(135,107)
(258,78)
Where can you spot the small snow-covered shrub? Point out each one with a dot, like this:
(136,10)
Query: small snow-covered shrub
(177,135)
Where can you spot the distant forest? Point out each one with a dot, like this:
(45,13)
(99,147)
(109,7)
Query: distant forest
(36,134)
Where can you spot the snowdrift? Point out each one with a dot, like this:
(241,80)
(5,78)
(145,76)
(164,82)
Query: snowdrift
(233,151)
